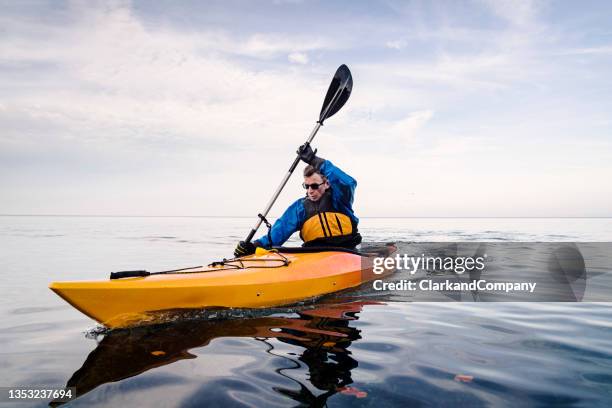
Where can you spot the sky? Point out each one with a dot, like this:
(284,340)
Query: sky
(459,108)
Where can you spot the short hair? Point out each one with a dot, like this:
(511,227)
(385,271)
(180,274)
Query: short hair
(310,170)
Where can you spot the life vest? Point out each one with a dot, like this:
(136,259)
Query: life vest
(325,226)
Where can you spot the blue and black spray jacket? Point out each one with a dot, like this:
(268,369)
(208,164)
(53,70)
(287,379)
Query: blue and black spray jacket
(330,221)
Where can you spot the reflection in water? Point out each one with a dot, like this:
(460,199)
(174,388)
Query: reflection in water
(326,337)
(324,332)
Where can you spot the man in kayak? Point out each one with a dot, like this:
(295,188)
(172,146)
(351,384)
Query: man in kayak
(324,217)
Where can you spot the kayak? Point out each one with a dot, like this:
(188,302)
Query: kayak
(283,276)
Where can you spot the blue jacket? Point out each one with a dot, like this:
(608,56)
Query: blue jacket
(342,190)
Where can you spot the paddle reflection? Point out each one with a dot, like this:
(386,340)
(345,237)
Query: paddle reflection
(324,333)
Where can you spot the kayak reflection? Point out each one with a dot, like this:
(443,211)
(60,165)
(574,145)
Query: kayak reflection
(324,332)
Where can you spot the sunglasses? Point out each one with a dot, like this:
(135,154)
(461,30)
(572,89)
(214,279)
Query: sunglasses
(314,186)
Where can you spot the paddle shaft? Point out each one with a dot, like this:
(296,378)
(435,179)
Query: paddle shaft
(282,185)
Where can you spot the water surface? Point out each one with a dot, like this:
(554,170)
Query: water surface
(355,349)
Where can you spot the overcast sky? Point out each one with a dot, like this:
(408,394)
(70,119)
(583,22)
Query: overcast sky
(459,108)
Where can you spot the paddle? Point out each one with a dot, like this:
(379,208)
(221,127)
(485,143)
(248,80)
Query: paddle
(337,95)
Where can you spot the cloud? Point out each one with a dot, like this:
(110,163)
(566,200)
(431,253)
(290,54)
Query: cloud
(117,79)
(396,44)
(603,50)
(410,124)
(520,13)
(268,45)
(298,58)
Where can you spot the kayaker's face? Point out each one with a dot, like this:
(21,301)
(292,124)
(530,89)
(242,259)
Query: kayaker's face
(311,193)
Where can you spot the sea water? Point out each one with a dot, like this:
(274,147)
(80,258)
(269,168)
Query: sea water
(352,350)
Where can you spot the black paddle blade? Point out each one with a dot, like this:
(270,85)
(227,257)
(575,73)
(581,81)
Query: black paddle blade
(338,93)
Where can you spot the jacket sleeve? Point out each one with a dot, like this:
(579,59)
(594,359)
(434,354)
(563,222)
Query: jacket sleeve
(343,184)
(287,224)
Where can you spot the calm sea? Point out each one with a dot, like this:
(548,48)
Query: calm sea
(350,350)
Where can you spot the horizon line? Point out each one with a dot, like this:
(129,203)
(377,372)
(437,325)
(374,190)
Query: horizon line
(249,216)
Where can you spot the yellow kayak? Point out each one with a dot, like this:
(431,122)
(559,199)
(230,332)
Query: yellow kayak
(265,279)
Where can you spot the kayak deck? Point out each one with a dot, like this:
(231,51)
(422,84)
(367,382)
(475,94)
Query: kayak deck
(256,281)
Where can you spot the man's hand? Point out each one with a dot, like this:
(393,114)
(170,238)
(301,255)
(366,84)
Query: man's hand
(306,154)
(244,248)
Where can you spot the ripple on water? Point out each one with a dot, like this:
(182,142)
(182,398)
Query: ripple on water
(498,328)
(225,392)
(418,391)
(377,347)
(29,328)
(31,310)
(564,349)
(599,378)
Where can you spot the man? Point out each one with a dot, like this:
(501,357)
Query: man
(324,217)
